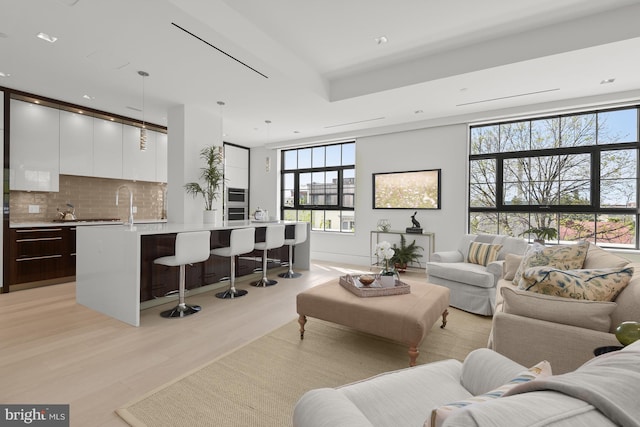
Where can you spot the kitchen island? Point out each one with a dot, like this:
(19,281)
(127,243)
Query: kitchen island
(115,270)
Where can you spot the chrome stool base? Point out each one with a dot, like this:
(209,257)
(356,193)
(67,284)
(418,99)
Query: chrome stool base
(231,294)
(289,275)
(264,282)
(181,310)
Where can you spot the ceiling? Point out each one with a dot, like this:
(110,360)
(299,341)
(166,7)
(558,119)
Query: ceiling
(315,68)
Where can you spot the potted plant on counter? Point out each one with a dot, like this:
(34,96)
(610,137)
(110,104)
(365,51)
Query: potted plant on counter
(212,178)
(405,254)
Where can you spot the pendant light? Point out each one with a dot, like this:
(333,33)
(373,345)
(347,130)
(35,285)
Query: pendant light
(143,129)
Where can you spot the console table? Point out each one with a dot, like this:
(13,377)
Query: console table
(429,247)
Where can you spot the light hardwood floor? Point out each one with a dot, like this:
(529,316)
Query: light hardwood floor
(53,350)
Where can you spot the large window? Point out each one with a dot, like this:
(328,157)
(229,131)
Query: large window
(319,186)
(576,173)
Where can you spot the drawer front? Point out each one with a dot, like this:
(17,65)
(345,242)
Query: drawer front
(40,254)
(41,248)
(42,268)
(38,243)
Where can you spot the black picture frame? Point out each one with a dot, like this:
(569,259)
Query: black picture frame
(407,189)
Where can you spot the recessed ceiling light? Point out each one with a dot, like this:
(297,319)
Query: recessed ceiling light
(296,131)
(4,74)
(607,81)
(381,40)
(418,112)
(46,37)
(89,97)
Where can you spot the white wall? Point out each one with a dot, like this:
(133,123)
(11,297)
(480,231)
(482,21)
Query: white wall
(264,186)
(190,129)
(432,148)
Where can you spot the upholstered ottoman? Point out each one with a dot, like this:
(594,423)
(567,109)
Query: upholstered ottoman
(403,318)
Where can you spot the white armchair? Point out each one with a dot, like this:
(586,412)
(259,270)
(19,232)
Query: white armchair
(472,285)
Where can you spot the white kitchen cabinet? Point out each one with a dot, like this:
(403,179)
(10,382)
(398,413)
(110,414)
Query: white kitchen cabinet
(76,144)
(236,177)
(35,147)
(236,166)
(138,165)
(162,161)
(107,149)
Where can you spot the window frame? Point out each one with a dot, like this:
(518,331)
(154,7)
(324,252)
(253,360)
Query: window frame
(340,193)
(595,154)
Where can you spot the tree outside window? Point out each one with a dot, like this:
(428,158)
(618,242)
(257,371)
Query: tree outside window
(575,173)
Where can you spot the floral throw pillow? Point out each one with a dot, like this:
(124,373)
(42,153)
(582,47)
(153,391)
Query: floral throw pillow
(562,257)
(438,415)
(600,284)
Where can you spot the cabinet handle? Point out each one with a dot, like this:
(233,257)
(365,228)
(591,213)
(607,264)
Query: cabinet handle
(41,239)
(38,257)
(35,230)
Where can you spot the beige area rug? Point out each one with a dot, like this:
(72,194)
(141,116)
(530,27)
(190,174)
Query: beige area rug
(259,384)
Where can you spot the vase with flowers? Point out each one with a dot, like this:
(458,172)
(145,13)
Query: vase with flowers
(388,275)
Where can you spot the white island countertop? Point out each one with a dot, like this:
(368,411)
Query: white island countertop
(81,222)
(108,262)
(172,227)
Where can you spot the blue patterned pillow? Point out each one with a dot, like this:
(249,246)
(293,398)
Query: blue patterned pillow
(600,284)
(563,257)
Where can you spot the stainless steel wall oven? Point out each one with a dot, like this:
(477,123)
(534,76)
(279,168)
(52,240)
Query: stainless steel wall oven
(236,206)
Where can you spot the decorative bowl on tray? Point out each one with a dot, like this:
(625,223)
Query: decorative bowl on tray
(366,279)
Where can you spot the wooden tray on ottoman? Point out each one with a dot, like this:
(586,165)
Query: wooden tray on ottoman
(353,285)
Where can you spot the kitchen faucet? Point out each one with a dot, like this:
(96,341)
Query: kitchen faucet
(130,201)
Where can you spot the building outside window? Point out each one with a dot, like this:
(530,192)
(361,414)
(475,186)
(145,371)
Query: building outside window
(576,173)
(318,185)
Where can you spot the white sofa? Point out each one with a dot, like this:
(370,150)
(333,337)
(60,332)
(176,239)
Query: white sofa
(473,286)
(607,387)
